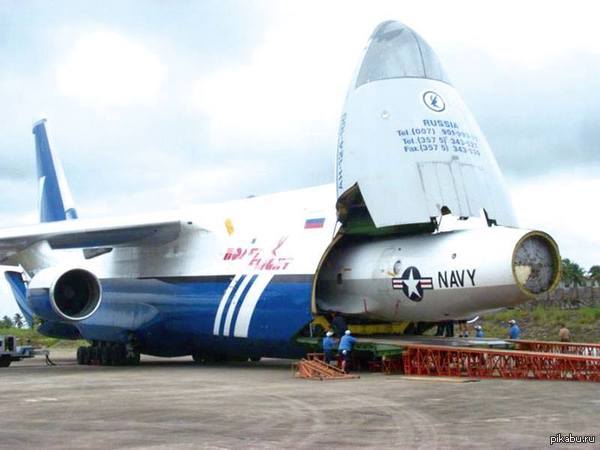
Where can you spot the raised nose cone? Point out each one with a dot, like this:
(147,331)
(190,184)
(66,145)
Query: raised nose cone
(396,51)
(409,150)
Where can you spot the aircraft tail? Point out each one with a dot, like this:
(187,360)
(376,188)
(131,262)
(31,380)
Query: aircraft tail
(56,202)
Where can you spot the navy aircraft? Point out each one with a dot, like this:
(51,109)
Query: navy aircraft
(418,227)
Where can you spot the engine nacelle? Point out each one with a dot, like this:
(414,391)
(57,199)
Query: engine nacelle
(448,275)
(64,295)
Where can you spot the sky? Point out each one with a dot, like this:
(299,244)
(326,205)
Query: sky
(160,105)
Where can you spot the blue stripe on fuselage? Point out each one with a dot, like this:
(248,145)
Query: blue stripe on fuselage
(175,316)
(236,311)
(228,303)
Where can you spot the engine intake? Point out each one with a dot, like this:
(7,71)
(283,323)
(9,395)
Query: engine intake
(64,295)
(536,263)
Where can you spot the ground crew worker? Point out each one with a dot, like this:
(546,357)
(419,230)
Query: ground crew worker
(345,348)
(440,328)
(564,335)
(478,331)
(514,331)
(450,328)
(328,346)
(462,328)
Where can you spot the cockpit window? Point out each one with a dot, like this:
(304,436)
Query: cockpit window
(396,51)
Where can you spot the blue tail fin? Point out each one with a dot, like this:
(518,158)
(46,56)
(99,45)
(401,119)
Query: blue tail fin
(17,285)
(56,202)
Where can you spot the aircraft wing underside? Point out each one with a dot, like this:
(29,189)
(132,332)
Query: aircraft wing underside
(88,234)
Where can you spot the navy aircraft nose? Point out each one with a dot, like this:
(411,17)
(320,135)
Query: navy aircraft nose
(396,51)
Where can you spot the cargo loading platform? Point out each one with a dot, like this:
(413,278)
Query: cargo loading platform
(475,357)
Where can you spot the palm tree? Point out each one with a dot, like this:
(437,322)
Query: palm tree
(6,322)
(573,273)
(594,277)
(18,320)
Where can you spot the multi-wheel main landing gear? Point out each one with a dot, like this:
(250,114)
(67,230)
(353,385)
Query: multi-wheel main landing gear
(107,354)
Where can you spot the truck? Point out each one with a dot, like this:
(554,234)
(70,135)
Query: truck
(9,351)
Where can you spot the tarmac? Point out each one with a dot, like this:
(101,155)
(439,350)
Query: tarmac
(173,403)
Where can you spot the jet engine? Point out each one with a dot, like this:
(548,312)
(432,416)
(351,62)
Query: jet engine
(64,295)
(449,275)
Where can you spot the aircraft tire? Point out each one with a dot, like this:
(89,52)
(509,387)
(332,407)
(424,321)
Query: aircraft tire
(105,356)
(133,359)
(117,355)
(80,352)
(5,361)
(93,352)
(86,356)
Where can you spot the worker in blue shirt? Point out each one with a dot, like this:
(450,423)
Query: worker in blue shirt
(328,346)
(346,346)
(514,331)
(478,331)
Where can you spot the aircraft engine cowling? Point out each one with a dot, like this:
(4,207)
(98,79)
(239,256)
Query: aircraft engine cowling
(64,295)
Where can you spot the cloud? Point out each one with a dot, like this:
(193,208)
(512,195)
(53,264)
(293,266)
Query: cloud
(105,68)
(253,95)
(292,84)
(563,204)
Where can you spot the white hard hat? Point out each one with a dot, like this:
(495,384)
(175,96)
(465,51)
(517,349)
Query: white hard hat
(348,332)
(478,327)
(330,333)
(512,321)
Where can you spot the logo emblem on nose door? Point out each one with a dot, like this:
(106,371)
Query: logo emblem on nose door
(412,284)
(434,101)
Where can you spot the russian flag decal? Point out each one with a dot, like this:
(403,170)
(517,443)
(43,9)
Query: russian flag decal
(314,223)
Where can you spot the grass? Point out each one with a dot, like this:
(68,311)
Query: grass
(37,339)
(543,323)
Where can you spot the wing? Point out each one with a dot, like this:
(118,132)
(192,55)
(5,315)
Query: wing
(86,234)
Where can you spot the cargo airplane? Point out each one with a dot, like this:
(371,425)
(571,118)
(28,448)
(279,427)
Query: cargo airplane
(418,228)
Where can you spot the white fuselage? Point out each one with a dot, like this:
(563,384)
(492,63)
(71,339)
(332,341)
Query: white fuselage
(434,277)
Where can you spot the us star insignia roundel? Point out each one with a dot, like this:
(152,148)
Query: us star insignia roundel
(412,284)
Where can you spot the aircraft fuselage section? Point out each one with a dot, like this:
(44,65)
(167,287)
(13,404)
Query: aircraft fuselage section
(239,278)
(435,277)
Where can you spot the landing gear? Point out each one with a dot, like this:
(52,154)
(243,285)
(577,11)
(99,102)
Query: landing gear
(85,356)
(133,359)
(107,354)
(81,355)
